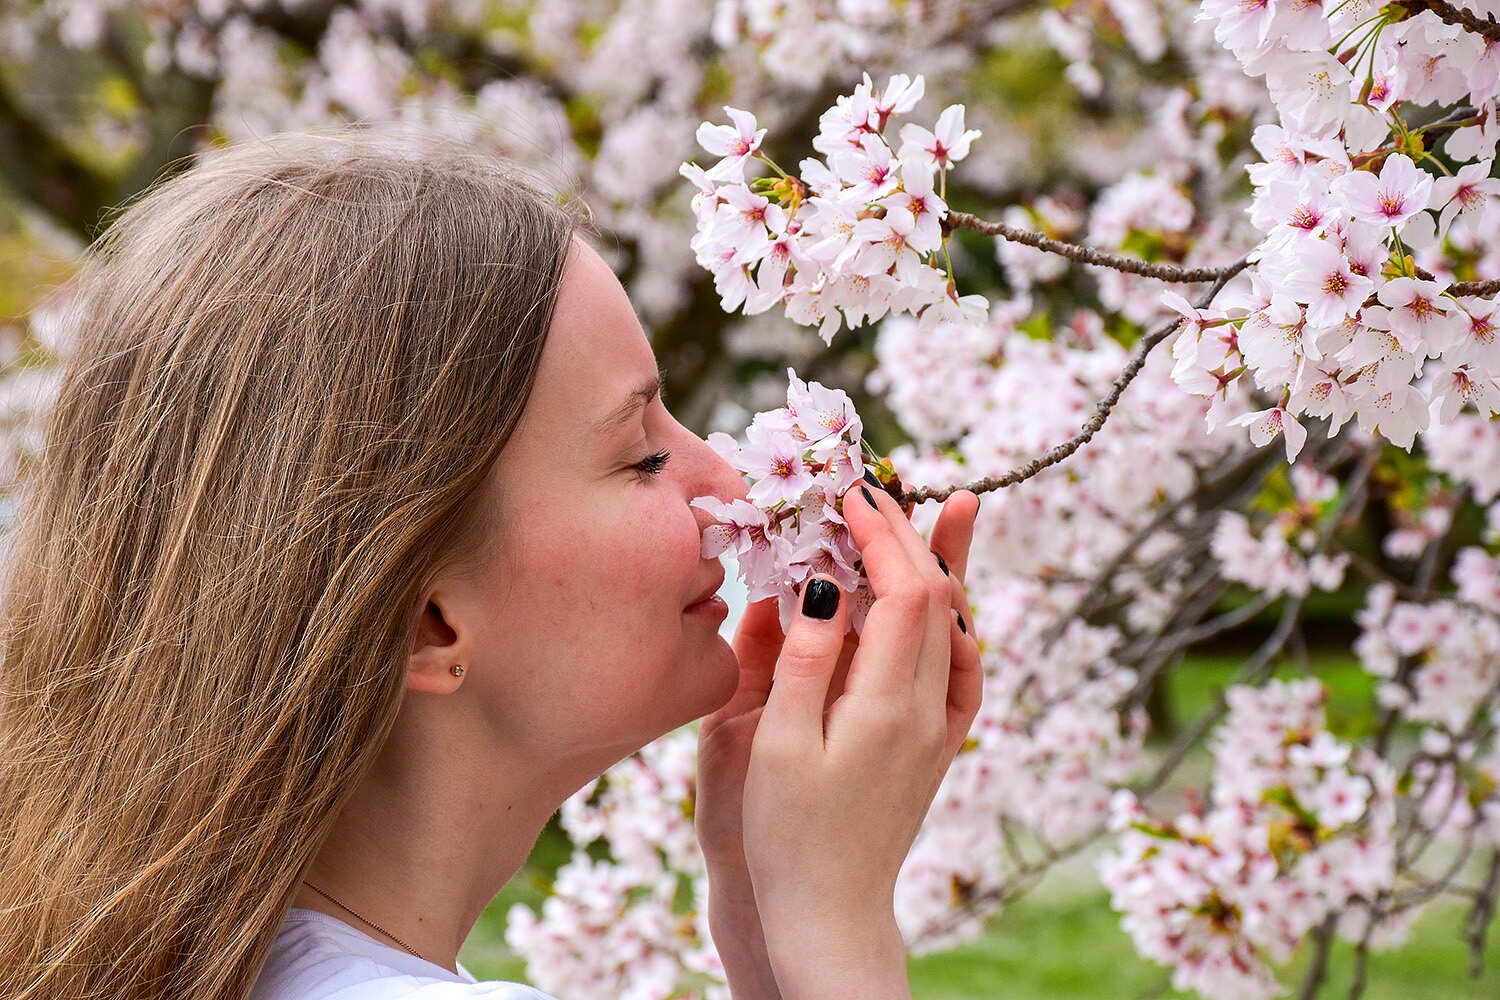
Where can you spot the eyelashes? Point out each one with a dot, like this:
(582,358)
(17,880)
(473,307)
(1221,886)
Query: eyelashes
(652,465)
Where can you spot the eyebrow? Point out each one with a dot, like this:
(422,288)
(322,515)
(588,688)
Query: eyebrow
(637,399)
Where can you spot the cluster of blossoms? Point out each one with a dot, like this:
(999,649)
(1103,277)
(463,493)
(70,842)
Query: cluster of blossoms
(1350,295)
(1051,742)
(1286,557)
(619,928)
(855,236)
(1299,827)
(1451,652)
(797,461)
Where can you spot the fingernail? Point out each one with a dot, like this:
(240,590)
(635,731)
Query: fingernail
(942,565)
(820,599)
(871,499)
(961,626)
(870,478)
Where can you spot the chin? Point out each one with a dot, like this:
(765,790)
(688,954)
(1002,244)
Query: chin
(712,677)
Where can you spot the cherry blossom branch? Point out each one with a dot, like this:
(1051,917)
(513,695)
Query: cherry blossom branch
(1256,669)
(1480,288)
(1318,970)
(1250,467)
(1082,254)
(1477,926)
(1406,591)
(1449,14)
(1101,411)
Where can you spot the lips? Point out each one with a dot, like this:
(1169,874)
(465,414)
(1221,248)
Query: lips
(711,591)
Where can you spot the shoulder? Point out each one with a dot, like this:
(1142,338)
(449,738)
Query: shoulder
(318,957)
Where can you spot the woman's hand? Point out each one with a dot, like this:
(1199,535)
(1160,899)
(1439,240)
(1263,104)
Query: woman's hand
(839,780)
(725,737)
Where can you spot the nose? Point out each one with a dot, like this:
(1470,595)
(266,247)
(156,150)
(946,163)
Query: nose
(713,476)
(728,482)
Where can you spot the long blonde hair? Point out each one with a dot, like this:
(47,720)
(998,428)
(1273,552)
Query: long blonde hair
(293,365)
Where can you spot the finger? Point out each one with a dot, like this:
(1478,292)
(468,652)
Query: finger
(873,518)
(931,668)
(840,679)
(900,621)
(953,533)
(965,687)
(794,708)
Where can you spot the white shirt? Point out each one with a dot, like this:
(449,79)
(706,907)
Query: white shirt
(319,957)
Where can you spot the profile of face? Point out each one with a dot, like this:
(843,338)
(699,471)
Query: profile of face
(574,630)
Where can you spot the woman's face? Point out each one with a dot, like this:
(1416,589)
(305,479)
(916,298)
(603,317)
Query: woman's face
(574,628)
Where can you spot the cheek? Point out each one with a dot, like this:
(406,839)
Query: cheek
(624,568)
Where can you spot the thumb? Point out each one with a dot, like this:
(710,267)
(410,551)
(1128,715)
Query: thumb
(807,662)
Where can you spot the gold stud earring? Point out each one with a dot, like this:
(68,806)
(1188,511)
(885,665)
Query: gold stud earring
(456,670)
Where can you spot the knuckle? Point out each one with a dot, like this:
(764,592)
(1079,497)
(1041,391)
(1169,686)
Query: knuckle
(932,726)
(802,658)
(773,748)
(908,605)
(887,719)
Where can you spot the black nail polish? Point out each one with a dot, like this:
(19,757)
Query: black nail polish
(961,626)
(871,499)
(942,565)
(820,599)
(870,478)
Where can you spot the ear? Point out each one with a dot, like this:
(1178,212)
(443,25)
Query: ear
(436,647)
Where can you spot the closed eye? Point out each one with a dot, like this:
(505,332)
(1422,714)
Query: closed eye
(652,465)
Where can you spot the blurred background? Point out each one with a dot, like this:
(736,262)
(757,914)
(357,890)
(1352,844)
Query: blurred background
(100,97)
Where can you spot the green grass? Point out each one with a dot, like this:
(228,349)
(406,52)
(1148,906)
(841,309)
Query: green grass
(1063,940)
(1071,946)
(1195,684)
(1068,944)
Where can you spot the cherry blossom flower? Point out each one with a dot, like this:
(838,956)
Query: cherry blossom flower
(798,461)
(945,145)
(1390,199)
(1323,280)
(1265,425)
(1464,192)
(735,143)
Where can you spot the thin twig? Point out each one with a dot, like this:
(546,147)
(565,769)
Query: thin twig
(1255,669)
(1083,254)
(1101,413)
(1480,288)
(1261,663)
(1361,959)
(1449,14)
(1318,970)
(1477,926)
(1252,466)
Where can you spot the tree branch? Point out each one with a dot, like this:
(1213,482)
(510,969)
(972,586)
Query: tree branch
(1256,669)
(1477,926)
(1101,413)
(1318,970)
(1449,14)
(1083,254)
(1480,288)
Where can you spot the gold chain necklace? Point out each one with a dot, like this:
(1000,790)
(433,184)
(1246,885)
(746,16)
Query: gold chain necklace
(364,918)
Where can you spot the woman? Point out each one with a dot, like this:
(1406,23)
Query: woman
(361,540)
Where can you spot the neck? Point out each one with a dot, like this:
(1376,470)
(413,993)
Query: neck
(435,831)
